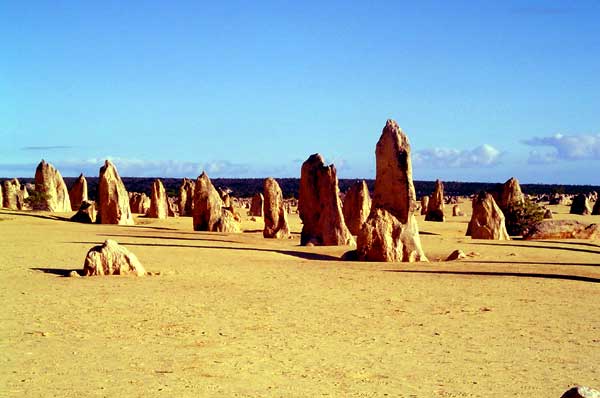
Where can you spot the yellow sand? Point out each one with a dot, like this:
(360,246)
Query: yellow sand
(236,315)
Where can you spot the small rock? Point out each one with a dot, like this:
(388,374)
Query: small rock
(563,229)
(473,254)
(110,258)
(581,392)
(456,255)
(74,274)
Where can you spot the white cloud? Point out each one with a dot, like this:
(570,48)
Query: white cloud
(133,167)
(565,147)
(537,157)
(482,156)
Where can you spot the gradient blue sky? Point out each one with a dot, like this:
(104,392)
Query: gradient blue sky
(485,90)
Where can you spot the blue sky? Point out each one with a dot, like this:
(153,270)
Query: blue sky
(485,90)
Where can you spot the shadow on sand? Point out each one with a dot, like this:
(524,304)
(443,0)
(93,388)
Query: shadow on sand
(428,233)
(36,215)
(149,227)
(532,263)
(167,238)
(505,274)
(298,254)
(538,246)
(56,271)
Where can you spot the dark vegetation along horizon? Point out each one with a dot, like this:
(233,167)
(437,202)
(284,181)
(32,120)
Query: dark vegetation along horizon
(246,187)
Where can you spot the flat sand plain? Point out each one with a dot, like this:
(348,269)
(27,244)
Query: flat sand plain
(236,315)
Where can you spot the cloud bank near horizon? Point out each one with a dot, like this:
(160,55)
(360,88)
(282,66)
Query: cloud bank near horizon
(564,147)
(480,163)
(134,167)
(440,158)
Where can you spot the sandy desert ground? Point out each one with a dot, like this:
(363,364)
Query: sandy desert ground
(236,315)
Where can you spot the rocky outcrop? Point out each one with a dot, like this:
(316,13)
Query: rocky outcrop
(86,213)
(229,222)
(596,208)
(456,255)
(559,199)
(456,211)
(391,233)
(357,206)
(12,195)
(424,204)
(581,392)
(227,201)
(275,215)
(563,229)
(384,238)
(224,193)
(172,207)
(320,206)
(581,205)
(256,207)
(510,194)
(435,207)
(209,212)
(49,184)
(113,200)
(487,220)
(159,207)
(78,192)
(139,203)
(186,197)
(22,196)
(207,205)
(110,258)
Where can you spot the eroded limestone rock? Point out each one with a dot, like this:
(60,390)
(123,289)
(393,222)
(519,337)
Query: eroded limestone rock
(110,258)
(275,214)
(113,200)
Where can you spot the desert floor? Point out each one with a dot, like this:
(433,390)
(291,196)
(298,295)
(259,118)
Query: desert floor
(236,315)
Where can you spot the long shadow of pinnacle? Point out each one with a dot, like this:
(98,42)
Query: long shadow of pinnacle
(27,213)
(505,274)
(55,271)
(538,246)
(168,238)
(299,254)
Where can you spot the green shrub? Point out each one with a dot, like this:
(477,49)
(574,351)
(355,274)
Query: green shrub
(520,218)
(37,200)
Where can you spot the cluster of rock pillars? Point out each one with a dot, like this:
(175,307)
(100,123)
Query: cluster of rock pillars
(382,225)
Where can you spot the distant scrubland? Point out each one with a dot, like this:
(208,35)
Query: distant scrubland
(246,187)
